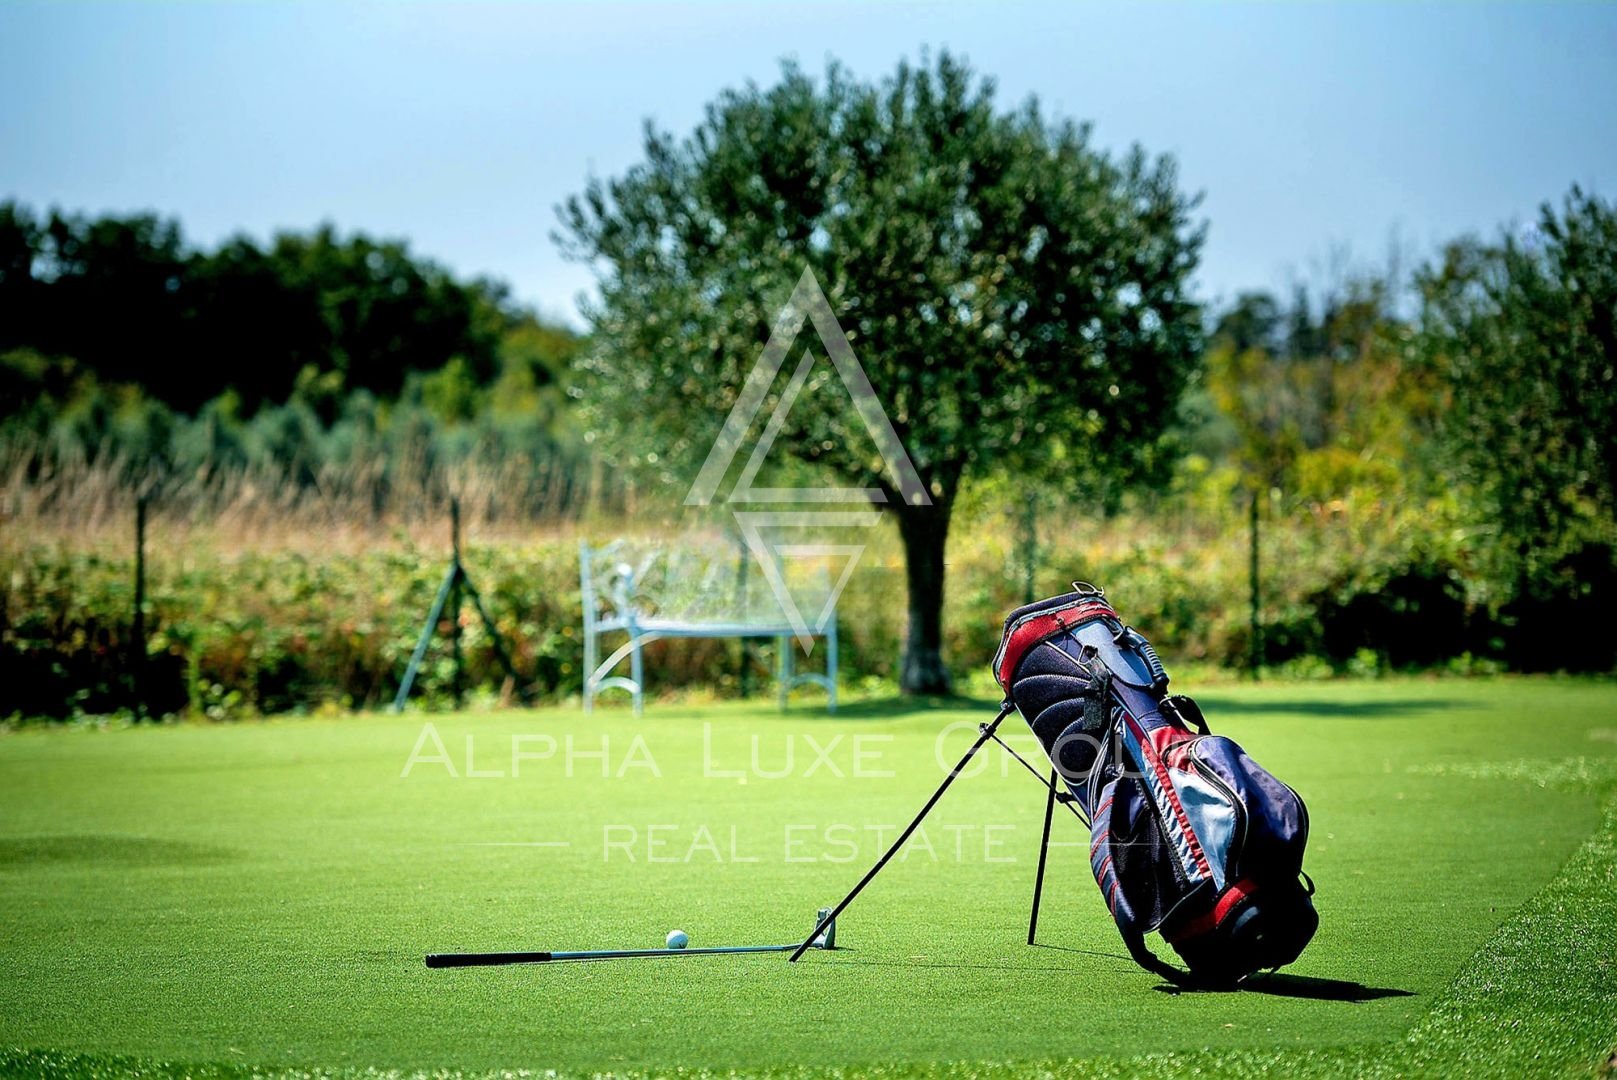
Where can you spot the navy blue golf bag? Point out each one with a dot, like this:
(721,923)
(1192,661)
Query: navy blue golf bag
(1189,837)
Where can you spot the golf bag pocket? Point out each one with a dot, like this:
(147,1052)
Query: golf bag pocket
(1136,869)
(1271,820)
(1227,889)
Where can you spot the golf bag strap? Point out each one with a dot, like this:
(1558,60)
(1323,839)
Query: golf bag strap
(1148,960)
(1185,710)
(1141,705)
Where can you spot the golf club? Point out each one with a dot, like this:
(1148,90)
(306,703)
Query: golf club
(824,939)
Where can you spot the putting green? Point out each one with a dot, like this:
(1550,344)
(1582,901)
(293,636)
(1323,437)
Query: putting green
(262,893)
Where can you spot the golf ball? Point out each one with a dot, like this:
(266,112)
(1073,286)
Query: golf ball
(678,939)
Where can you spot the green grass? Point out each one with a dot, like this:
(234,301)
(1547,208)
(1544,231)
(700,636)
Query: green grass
(256,897)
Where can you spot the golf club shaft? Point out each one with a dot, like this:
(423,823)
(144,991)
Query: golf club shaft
(987,732)
(446,960)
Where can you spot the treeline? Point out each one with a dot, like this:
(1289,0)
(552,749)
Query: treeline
(130,302)
(340,365)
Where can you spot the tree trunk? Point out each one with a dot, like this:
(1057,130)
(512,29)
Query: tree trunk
(924,530)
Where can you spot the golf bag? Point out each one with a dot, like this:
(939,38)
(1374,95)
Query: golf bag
(1189,837)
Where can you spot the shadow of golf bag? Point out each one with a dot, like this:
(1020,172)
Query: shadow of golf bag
(1189,837)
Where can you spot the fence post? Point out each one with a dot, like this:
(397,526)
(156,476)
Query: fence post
(1030,547)
(137,634)
(1255,645)
(457,572)
(743,672)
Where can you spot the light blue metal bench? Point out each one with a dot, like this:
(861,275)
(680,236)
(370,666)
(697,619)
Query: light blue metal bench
(685,592)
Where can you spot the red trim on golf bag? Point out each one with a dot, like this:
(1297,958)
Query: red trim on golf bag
(1207,921)
(1149,747)
(1040,626)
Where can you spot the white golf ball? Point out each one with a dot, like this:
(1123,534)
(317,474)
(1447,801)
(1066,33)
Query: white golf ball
(678,939)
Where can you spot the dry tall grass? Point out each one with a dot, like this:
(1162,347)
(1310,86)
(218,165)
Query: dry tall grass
(89,503)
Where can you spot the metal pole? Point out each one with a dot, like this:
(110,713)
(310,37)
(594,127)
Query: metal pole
(743,673)
(1030,547)
(987,733)
(1255,645)
(427,631)
(456,572)
(137,644)
(1044,850)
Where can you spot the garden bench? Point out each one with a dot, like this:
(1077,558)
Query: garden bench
(689,591)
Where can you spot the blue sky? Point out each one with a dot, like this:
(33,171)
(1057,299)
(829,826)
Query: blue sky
(1312,129)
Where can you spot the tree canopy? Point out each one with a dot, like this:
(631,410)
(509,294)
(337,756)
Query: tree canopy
(1017,296)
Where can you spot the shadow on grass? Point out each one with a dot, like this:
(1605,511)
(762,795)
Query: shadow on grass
(1275,985)
(1214,704)
(922,962)
(1298,986)
(1085,952)
(897,706)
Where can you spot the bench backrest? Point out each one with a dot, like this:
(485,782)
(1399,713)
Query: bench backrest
(695,580)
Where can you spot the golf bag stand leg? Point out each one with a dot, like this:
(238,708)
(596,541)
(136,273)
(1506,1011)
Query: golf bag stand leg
(987,732)
(1044,850)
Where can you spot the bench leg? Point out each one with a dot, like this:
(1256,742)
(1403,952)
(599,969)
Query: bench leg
(831,666)
(784,646)
(637,672)
(591,659)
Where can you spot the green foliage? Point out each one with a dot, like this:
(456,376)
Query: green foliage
(256,633)
(132,303)
(1437,489)
(1011,291)
(1368,589)
(1433,443)
(72,443)
(1522,334)
(1319,409)
(992,270)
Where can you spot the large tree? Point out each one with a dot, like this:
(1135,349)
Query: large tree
(1016,295)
